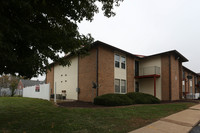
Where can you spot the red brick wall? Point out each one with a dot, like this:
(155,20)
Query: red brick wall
(87,75)
(180,80)
(175,78)
(50,79)
(130,73)
(165,77)
(106,70)
(187,82)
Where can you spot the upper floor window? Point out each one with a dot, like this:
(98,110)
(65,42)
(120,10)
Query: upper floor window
(120,61)
(123,62)
(117,60)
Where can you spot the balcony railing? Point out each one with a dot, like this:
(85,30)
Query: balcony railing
(153,70)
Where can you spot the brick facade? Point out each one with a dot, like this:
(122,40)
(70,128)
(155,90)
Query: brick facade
(165,77)
(171,91)
(104,73)
(87,75)
(130,73)
(175,79)
(105,70)
(50,79)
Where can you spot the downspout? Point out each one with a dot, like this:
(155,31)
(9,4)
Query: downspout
(170,87)
(97,69)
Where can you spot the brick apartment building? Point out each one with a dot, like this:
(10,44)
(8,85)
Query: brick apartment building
(191,81)
(113,70)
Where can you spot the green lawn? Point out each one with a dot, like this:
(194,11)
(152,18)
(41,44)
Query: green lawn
(33,115)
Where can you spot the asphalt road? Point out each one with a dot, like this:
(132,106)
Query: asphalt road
(196,129)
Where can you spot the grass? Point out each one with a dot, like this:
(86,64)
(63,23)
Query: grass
(19,114)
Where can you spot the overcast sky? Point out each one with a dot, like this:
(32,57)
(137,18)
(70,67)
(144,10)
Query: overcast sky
(148,27)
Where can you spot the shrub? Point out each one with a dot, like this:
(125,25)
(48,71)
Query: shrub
(142,98)
(112,100)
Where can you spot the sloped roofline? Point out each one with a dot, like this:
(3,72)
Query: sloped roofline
(175,52)
(184,67)
(183,59)
(99,43)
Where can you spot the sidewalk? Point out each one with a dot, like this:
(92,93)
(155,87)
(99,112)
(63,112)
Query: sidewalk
(181,122)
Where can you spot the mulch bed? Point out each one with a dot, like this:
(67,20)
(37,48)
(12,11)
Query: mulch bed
(81,104)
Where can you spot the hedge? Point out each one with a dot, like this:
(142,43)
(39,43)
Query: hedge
(142,98)
(113,100)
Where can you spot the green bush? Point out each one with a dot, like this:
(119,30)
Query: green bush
(112,100)
(142,98)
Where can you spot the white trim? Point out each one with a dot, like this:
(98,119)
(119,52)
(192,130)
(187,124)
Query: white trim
(120,86)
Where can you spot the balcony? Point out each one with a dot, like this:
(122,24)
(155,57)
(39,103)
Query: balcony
(149,72)
(145,72)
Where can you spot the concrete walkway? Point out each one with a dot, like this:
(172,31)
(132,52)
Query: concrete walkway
(181,122)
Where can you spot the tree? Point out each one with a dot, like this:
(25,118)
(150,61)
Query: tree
(13,87)
(9,81)
(33,31)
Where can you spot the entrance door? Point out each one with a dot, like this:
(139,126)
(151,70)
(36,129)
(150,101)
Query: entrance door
(136,68)
(137,87)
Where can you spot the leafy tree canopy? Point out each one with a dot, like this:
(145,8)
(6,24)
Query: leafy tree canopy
(33,31)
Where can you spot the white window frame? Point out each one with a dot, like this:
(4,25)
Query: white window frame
(124,86)
(117,60)
(120,61)
(120,87)
(123,62)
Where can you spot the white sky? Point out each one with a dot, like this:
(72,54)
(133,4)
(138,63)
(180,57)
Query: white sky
(151,26)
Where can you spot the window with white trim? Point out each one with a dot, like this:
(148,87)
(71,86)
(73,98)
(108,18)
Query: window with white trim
(117,60)
(120,86)
(123,62)
(117,85)
(120,61)
(123,86)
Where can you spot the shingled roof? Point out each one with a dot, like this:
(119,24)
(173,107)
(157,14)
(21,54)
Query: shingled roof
(27,83)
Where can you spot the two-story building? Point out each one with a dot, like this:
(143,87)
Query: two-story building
(108,69)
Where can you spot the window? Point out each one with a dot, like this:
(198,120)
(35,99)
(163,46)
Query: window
(117,59)
(183,75)
(123,62)
(137,87)
(183,86)
(191,86)
(123,86)
(120,61)
(136,68)
(120,86)
(37,88)
(117,86)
